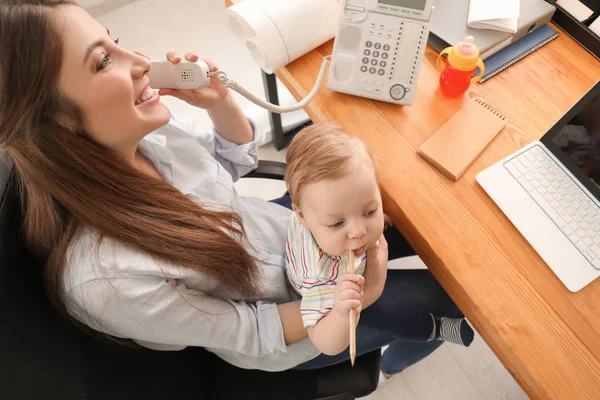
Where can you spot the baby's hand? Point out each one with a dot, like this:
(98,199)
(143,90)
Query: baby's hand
(348,294)
(387,221)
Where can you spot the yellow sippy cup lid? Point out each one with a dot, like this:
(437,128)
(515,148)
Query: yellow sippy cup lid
(464,55)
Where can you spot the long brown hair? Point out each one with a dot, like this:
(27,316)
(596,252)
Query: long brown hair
(68,181)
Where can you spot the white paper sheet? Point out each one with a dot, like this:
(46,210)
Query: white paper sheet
(595,26)
(576,9)
(499,15)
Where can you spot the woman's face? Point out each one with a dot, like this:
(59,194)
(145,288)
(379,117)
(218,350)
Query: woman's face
(107,83)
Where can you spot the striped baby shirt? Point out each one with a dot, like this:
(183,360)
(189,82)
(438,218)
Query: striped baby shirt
(313,273)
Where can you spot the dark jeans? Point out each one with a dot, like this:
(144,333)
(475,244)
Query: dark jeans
(399,316)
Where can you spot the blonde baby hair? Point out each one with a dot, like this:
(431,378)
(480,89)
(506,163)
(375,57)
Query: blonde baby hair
(323,151)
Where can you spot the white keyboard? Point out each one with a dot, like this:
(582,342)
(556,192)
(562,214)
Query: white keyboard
(561,197)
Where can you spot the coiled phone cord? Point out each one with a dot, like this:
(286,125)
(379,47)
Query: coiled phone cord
(234,85)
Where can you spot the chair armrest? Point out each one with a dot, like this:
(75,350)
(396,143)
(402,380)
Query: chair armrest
(336,382)
(268,170)
(343,381)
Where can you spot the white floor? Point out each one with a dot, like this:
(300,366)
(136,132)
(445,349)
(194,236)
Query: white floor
(155,26)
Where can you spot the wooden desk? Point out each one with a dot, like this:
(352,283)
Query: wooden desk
(546,336)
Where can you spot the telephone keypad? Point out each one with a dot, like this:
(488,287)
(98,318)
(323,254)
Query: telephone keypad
(378,56)
(378,52)
(391,55)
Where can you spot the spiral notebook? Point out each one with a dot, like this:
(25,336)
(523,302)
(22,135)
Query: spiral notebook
(517,51)
(457,143)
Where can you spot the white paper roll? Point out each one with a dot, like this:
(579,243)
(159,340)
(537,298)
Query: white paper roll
(277,32)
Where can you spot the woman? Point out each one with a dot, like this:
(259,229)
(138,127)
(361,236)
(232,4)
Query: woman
(135,214)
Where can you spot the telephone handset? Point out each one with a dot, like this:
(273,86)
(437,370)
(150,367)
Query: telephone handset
(196,75)
(379,48)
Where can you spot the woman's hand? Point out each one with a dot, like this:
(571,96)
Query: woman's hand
(212,95)
(227,117)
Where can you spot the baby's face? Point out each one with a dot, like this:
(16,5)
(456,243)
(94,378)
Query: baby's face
(343,214)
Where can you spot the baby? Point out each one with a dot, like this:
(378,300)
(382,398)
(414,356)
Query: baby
(333,184)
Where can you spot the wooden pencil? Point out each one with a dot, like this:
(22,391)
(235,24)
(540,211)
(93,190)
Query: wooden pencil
(352,315)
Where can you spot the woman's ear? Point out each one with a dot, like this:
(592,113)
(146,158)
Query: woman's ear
(67,115)
(299,213)
(67,122)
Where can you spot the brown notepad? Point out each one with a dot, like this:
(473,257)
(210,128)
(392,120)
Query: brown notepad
(454,147)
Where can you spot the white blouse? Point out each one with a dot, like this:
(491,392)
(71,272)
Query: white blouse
(123,291)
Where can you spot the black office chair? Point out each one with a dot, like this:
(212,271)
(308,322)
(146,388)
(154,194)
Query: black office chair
(43,357)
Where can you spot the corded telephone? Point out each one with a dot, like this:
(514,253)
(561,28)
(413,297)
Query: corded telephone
(379,48)
(377,53)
